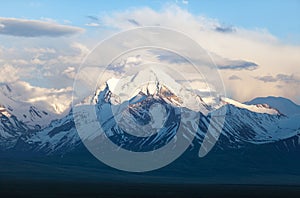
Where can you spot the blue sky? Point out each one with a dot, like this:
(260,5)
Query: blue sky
(276,16)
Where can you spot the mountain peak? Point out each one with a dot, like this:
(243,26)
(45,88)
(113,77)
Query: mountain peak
(3,111)
(258,108)
(283,105)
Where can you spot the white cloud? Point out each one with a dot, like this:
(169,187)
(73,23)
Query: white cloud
(52,100)
(19,62)
(92,24)
(48,19)
(40,50)
(257,46)
(37,61)
(48,61)
(70,72)
(35,28)
(84,50)
(9,73)
(234,46)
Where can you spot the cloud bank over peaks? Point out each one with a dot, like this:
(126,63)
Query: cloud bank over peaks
(53,100)
(252,62)
(238,51)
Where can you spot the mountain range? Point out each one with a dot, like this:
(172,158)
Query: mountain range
(261,128)
(265,120)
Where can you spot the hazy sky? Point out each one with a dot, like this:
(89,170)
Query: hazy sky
(255,43)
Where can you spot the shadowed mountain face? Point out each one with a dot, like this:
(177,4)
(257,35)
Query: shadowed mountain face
(267,145)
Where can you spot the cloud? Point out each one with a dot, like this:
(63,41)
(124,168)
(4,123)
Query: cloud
(19,62)
(228,64)
(41,64)
(224,29)
(221,63)
(94,21)
(82,49)
(238,65)
(50,99)
(120,66)
(40,50)
(35,28)
(234,77)
(167,56)
(70,72)
(288,78)
(267,78)
(246,52)
(279,78)
(9,73)
(94,18)
(92,24)
(249,52)
(134,22)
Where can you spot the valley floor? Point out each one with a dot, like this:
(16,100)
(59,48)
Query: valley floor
(58,177)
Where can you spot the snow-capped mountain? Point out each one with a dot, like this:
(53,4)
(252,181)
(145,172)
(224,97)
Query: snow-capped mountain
(35,117)
(283,105)
(244,124)
(10,129)
(258,108)
(59,137)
